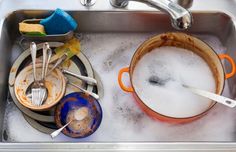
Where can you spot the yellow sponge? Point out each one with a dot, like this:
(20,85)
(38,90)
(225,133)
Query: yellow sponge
(32,29)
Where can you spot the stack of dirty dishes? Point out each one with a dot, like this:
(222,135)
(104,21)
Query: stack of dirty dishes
(42,86)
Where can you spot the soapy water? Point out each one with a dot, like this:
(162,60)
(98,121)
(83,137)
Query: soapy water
(159,76)
(122,118)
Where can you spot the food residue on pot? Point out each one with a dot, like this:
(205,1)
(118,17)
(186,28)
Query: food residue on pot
(158,78)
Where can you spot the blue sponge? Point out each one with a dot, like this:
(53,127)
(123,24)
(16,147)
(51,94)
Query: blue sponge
(59,22)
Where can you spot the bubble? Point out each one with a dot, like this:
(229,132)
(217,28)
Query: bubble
(167,69)
(123,120)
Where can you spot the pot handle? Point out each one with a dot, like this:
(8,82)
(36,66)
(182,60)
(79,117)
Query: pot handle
(231,61)
(123,87)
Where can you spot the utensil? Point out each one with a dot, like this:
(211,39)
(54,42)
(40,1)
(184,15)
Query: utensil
(45,58)
(88,80)
(59,62)
(83,109)
(35,87)
(218,98)
(49,54)
(83,90)
(215,97)
(58,131)
(179,40)
(43,90)
(78,115)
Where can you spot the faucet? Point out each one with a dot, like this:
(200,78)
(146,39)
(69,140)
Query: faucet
(181,18)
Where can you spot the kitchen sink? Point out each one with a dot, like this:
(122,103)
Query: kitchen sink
(127,28)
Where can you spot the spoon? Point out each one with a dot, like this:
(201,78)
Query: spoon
(59,62)
(85,91)
(35,87)
(47,53)
(155,80)
(79,115)
(218,98)
(58,131)
(42,89)
(88,80)
(48,61)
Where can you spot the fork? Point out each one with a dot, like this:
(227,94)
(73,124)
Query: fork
(47,53)
(35,88)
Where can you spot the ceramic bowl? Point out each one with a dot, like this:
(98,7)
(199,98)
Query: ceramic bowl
(55,83)
(84,111)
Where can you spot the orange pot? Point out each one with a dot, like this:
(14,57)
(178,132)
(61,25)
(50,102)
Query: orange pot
(188,42)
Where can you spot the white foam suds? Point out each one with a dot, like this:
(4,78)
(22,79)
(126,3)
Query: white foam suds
(122,118)
(159,76)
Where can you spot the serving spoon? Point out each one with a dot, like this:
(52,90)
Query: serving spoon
(155,80)
(218,98)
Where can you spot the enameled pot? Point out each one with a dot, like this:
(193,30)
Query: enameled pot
(188,42)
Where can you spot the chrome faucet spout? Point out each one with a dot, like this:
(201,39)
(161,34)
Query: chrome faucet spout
(181,18)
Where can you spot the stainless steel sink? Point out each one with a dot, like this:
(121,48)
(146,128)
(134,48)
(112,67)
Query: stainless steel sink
(214,23)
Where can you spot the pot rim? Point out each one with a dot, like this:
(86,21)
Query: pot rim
(179,118)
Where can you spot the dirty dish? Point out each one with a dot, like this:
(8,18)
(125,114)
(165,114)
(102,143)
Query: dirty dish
(83,110)
(83,68)
(55,83)
(174,70)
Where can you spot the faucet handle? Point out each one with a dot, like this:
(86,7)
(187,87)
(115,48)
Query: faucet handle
(119,3)
(87,3)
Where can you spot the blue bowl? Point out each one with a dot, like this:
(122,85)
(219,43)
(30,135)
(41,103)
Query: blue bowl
(66,111)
